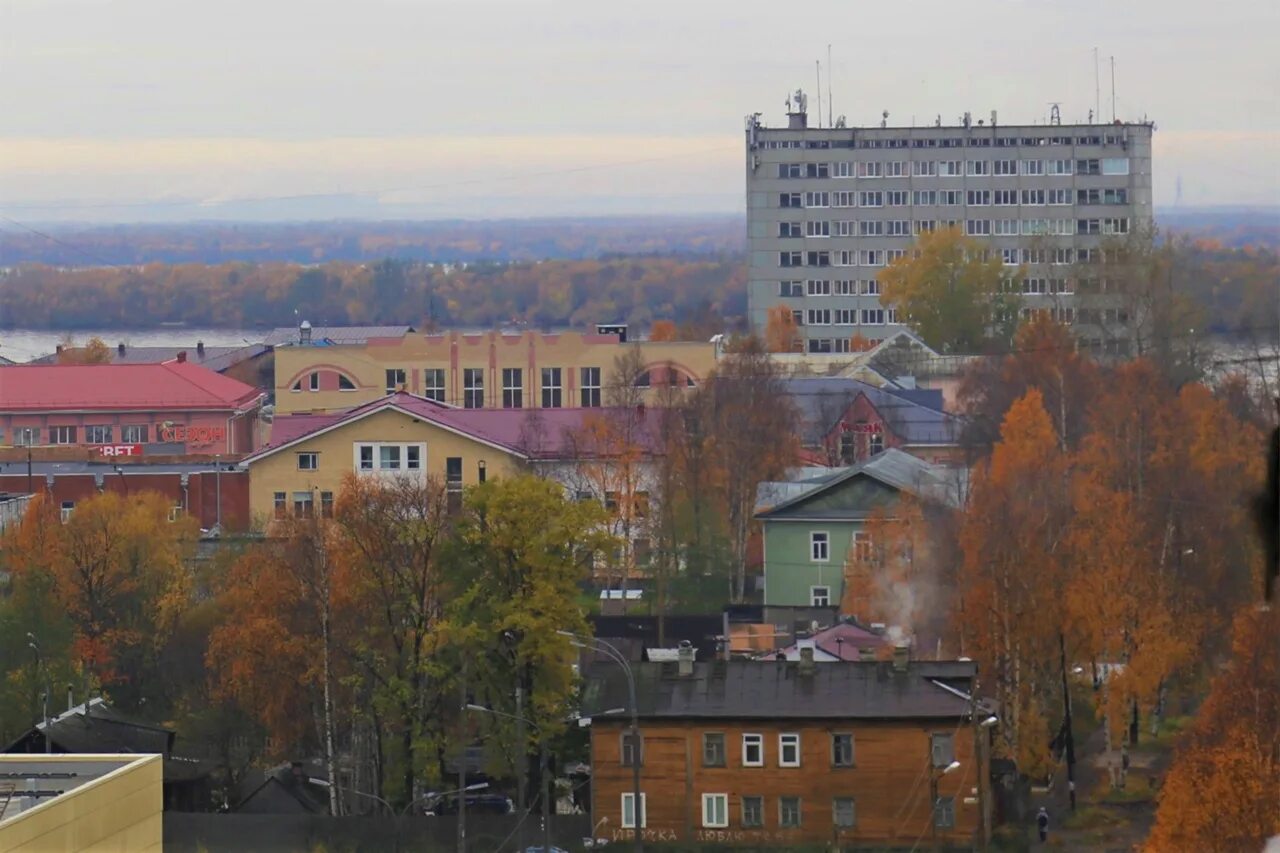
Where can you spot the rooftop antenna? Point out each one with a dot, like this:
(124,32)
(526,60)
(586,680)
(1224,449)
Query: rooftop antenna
(818,64)
(1055,114)
(884,119)
(1113,89)
(831,110)
(1097,89)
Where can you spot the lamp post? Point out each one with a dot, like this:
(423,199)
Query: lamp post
(936,774)
(611,652)
(542,767)
(478,786)
(325,783)
(40,668)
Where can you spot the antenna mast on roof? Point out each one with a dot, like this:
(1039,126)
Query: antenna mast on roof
(831,110)
(818,65)
(1113,89)
(1097,88)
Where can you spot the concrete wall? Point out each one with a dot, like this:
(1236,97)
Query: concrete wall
(365,366)
(834,148)
(120,811)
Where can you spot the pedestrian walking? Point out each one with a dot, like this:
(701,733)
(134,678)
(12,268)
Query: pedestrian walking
(1042,823)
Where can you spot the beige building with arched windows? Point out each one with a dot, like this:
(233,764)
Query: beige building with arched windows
(489,370)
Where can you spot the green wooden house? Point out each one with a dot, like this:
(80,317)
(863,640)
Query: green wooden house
(810,522)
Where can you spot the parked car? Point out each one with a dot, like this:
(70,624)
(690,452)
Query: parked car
(476,804)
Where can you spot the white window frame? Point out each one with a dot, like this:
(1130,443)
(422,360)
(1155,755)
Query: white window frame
(429,389)
(815,542)
(376,462)
(788,740)
(61,434)
(315,460)
(853,812)
(628,801)
(92,434)
(589,391)
(470,388)
(756,740)
(817,599)
(712,803)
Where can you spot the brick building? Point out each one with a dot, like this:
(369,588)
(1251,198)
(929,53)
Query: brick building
(171,408)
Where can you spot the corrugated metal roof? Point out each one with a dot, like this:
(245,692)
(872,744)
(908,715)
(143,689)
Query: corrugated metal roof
(893,467)
(915,415)
(535,433)
(740,689)
(170,385)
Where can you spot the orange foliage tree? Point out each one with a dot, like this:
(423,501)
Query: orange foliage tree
(1220,792)
(662,330)
(117,566)
(1009,613)
(780,332)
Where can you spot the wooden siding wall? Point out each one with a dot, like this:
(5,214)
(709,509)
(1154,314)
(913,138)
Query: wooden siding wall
(889,782)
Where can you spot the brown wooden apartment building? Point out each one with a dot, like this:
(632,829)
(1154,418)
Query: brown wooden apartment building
(751,753)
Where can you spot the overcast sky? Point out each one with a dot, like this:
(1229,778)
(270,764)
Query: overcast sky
(140,109)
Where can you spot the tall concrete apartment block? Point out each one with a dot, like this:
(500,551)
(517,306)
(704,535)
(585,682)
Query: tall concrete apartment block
(829,207)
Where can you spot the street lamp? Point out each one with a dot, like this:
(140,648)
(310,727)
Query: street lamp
(611,652)
(325,783)
(542,769)
(479,786)
(938,773)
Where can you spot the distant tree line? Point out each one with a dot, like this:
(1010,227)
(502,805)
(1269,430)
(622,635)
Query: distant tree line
(448,242)
(575,293)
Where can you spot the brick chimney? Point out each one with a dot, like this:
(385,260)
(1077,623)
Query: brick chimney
(199,349)
(182,357)
(684,657)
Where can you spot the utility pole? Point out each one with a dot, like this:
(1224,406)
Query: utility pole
(522,768)
(546,797)
(462,765)
(1069,736)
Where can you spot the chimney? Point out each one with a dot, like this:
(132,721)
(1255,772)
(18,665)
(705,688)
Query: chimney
(901,657)
(58,349)
(120,348)
(200,349)
(304,332)
(182,357)
(867,653)
(685,657)
(806,660)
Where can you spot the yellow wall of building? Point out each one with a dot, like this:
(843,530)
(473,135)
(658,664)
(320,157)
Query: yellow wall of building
(366,365)
(120,811)
(279,472)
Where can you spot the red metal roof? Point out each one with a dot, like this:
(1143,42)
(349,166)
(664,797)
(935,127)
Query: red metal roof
(171,385)
(535,433)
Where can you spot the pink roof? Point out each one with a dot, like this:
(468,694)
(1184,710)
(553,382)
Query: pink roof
(536,433)
(170,385)
(843,641)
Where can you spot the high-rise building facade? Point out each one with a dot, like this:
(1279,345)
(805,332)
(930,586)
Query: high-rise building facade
(829,207)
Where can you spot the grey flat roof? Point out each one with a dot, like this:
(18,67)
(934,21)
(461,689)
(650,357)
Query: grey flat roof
(35,782)
(739,689)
